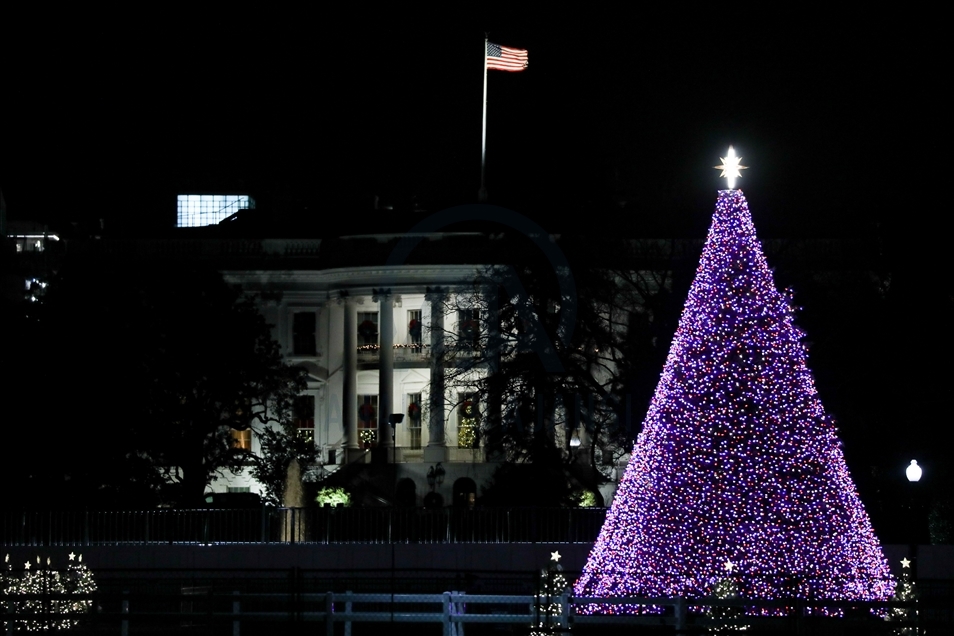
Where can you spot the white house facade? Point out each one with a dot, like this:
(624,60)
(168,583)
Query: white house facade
(371,340)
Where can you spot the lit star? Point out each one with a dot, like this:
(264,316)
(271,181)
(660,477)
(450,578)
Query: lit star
(729,565)
(731,167)
(555,556)
(72,556)
(905,563)
(26,566)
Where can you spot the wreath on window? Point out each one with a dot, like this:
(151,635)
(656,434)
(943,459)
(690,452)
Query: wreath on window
(468,408)
(366,413)
(367,329)
(414,412)
(470,327)
(414,329)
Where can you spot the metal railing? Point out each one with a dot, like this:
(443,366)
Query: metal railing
(301,525)
(204,608)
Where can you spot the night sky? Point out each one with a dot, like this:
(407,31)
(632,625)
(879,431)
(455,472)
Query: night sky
(615,127)
(839,117)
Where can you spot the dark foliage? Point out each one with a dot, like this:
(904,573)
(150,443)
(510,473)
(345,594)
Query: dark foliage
(135,378)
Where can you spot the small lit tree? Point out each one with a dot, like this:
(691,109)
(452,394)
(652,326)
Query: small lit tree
(39,584)
(906,591)
(726,589)
(551,597)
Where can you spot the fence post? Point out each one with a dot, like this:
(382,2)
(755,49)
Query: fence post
(680,615)
(445,618)
(261,520)
(236,610)
(347,629)
(329,614)
(124,624)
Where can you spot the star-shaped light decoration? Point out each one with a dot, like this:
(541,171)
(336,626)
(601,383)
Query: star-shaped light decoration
(71,556)
(905,563)
(555,556)
(731,167)
(26,566)
(729,565)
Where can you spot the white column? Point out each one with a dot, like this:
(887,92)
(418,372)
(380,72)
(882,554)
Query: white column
(436,449)
(386,368)
(349,389)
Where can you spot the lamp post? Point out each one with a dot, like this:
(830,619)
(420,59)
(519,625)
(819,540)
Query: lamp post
(915,519)
(435,477)
(913,471)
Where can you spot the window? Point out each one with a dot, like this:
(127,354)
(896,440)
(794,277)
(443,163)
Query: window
(195,210)
(242,440)
(414,420)
(468,418)
(304,327)
(368,421)
(305,418)
(367,328)
(414,327)
(468,328)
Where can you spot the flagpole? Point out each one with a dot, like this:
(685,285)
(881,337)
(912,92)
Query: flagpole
(482,193)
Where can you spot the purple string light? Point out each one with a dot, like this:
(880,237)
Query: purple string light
(737,461)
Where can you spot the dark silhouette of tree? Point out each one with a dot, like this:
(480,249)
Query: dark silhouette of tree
(554,355)
(152,369)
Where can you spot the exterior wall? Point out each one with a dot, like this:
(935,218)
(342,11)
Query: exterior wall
(329,294)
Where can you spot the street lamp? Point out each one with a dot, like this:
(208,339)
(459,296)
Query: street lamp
(435,475)
(916,519)
(913,471)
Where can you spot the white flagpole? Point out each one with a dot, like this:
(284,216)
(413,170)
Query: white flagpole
(482,193)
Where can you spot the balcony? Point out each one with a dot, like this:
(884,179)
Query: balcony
(404,354)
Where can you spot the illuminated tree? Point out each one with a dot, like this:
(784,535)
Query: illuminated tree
(55,595)
(906,591)
(550,597)
(737,461)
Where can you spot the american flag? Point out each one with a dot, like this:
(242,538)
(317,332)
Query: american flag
(504,58)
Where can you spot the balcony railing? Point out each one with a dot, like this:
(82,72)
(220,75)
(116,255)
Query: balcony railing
(371,354)
(302,525)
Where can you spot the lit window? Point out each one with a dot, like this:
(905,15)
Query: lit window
(368,421)
(414,327)
(196,210)
(468,418)
(305,418)
(414,420)
(242,440)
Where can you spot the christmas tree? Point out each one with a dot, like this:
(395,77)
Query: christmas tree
(46,592)
(549,602)
(737,461)
(907,592)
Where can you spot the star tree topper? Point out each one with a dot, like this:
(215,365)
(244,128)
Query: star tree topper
(731,167)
